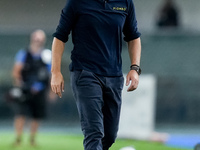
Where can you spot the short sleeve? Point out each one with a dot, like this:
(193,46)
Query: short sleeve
(67,20)
(130,29)
(20,57)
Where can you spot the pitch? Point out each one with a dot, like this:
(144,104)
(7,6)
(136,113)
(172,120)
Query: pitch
(53,141)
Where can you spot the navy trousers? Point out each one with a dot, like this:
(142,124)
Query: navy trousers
(98,100)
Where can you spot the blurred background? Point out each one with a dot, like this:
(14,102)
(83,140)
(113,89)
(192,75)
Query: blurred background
(170,52)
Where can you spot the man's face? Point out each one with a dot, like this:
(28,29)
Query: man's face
(38,38)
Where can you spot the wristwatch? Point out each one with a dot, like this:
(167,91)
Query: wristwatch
(136,68)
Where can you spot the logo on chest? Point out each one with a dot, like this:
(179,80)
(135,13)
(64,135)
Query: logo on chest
(120,8)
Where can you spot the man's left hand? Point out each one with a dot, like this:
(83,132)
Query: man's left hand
(132,79)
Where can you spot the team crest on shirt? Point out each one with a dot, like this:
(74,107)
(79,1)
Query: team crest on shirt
(120,8)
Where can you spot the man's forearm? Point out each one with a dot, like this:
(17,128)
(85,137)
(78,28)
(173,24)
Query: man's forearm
(57,52)
(134,48)
(57,82)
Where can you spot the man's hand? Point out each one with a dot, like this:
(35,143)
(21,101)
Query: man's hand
(57,83)
(132,77)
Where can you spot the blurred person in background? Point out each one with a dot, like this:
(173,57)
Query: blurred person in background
(168,16)
(96,70)
(31,75)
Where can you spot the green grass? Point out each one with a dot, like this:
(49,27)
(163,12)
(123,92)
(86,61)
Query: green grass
(49,141)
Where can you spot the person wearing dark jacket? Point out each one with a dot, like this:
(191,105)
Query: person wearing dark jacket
(168,15)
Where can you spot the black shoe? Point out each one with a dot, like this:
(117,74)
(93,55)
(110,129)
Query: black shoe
(17,141)
(32,141)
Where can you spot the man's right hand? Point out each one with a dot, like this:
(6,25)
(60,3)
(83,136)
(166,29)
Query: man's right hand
(57,83)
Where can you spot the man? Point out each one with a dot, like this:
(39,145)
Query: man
(96,69)
(31,75)
(168,15)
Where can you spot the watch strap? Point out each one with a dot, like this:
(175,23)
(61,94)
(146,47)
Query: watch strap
(136,68)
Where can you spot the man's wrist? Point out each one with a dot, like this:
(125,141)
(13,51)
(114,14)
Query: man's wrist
(55,71)
(136,68)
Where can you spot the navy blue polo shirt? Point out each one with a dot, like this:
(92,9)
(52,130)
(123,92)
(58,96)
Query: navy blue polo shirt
(98,27)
